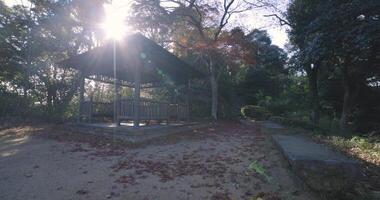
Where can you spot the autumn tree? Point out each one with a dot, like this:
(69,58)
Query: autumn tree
(192,27)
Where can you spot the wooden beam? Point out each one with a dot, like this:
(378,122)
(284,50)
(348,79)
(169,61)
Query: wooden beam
(126,84)
(109,81)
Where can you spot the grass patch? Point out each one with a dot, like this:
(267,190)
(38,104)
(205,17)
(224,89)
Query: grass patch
(364,148)
(255,166)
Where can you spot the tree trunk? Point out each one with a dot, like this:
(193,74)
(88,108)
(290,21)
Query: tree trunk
(351,91)
(214,95)
(313,84)
(346,109)
(49,98)
(351,86)
(81,95)
(27,76)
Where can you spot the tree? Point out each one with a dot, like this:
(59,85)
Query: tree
(194,26)
(339,37)
(267,75)
(34,37)
(299,16)
(10,68)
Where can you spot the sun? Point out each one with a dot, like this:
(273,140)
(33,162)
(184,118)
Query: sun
(114,23)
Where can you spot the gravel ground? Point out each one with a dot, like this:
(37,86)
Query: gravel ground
(46,162)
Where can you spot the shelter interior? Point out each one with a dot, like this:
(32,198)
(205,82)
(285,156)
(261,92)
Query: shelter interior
(138,63)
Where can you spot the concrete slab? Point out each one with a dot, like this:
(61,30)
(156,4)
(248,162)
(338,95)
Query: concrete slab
(301,148)
(321,168)
(271,125)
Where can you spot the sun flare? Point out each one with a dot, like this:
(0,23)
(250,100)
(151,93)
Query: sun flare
(114,23)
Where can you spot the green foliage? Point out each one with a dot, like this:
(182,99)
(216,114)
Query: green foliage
(268,76)
(340,39)
(302,123)
(366,117)
(13,105)
(255,112)
(33,37)
(255,166)
(265,83)
(228,101)
(292,99)
(364,147)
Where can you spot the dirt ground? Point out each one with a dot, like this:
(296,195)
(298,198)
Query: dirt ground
(47,162)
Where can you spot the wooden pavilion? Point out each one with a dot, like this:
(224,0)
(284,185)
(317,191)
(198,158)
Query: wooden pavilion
(135,62)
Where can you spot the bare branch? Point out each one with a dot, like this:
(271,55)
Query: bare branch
(281,20)
(225,17)
(262,4)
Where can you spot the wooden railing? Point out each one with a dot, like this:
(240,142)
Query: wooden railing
(178,111)
(149,110)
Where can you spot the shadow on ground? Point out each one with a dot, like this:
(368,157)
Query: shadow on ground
(48,162)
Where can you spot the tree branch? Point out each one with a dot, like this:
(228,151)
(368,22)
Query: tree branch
(225,17)
(281,20)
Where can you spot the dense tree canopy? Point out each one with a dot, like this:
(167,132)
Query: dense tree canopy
(337,43)
(33,38)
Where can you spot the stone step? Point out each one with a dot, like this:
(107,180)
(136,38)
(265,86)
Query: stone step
(321,168)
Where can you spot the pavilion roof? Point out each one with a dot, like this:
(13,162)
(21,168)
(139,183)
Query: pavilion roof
(156,63)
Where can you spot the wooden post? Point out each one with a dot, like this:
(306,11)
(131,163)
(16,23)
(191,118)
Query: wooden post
(116,92)
(167,110)
(90,111)
(116,105)
(177,111)
(136,94)
(81,96)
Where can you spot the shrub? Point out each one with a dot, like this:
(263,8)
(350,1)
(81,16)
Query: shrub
(256,112)
(293,122)
(278,107)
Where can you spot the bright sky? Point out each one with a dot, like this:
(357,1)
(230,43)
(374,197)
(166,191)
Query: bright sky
(250,19)
(256,19)
(9,2)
